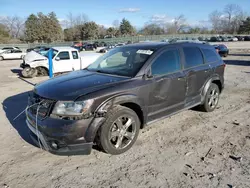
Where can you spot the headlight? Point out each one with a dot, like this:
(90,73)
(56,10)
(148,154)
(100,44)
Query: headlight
(72,108)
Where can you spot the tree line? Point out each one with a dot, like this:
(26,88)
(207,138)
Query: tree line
(47,28)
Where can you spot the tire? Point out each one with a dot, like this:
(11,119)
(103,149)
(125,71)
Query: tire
(1,58)
(115,140)
(42,71)
(211,103)
(28,72)
(22,57)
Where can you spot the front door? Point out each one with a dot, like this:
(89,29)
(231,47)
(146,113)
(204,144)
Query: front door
(168,89)
(62,63)
(8,54)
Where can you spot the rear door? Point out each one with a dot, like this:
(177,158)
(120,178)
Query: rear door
(168,88)
(197,72)
(17,54)
(63,62)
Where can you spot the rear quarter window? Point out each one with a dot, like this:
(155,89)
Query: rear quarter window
(210,55)
(193,57)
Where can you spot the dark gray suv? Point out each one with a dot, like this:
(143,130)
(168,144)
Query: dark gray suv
(124,90)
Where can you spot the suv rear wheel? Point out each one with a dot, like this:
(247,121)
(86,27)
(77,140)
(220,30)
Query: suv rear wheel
(211,98)
(119,132)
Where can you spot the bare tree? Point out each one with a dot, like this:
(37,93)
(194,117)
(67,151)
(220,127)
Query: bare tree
(73,23)
(180,23)
(19,27)
(216,19)
(79,19)
(229,20)
(232,10)
(14,25)
(233,17)
(116,24)
(177,25)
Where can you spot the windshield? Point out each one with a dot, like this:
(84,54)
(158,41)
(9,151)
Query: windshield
(54,52)
(122,61)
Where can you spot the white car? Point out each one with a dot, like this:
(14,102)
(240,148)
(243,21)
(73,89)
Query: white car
(12,54)
(8,48)
(64,59)
(234,39)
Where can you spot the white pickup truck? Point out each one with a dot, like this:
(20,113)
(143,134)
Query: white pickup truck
(64,59)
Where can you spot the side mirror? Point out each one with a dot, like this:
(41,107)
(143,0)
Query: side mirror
(148,75)
(57,58)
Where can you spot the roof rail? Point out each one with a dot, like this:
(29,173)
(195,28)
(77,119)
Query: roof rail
(188,41)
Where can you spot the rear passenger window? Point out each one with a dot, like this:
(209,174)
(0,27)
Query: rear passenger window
(75,54)
(210,55)
(193,57)
(167,62)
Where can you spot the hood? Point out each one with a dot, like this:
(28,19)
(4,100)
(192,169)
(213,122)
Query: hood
(31,56)
(75,84)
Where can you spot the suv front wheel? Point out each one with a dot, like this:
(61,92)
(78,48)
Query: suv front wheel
(211,98)
(119,132)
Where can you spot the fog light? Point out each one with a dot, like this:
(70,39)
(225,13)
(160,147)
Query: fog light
(54,145)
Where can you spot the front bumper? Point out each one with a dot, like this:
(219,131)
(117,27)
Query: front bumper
(71,137)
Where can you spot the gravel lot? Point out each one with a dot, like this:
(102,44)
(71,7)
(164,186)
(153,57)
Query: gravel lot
(190,149)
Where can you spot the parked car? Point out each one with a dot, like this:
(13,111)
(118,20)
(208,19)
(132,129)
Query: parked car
(37,48)
(79,48)
(11,54)
(222,50)
(121,92)
(9,48)
(240,38)
(224,39)
(247,38)
(89,47)
(65,59)
(120,44)
(106,49)
(232,39)
(215,39)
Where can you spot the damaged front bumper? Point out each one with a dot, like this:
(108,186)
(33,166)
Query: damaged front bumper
(64,137)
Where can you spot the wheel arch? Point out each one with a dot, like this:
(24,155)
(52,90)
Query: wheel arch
(43,68)
(127,100)
(216,80)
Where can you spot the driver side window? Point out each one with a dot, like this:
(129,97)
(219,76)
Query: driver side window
(167,62)
(63,55)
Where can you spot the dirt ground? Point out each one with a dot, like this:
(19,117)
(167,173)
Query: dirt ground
(190,149)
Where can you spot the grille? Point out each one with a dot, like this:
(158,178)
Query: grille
(45,105)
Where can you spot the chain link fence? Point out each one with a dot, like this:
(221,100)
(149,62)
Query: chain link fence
(115,40)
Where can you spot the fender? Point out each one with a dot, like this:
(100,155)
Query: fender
(207,85)
(38,63)
(104,107)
